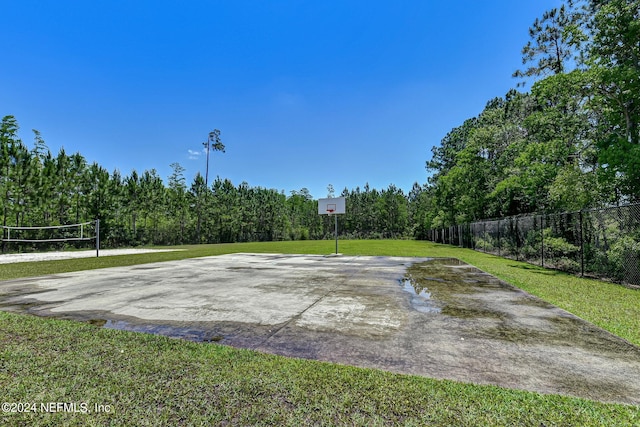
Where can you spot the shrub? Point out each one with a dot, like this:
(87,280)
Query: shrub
(558,247)
(624,259)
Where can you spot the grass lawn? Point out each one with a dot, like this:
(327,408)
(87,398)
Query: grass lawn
(141,379)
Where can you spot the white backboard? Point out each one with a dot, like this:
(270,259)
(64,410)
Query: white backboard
(335,205)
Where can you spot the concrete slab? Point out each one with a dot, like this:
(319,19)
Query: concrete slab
(89,253)
(434,317)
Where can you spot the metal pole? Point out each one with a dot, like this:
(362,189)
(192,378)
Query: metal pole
(97,238)
(517,242)
(542,239)
(581,244)
(206,174)
(484,237)
(336,231)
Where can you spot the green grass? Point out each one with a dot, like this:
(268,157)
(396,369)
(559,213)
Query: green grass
(154,380)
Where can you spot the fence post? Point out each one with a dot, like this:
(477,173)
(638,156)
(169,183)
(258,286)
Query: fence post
(484,237)
(517,241)
(474,238)
(499,242)
(542,238)
(581,245)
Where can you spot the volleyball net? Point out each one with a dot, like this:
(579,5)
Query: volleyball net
(53,234)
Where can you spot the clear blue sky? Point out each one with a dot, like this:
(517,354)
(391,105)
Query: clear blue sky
(305,93)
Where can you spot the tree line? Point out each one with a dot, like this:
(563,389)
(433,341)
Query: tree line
(40,189)
(572,142)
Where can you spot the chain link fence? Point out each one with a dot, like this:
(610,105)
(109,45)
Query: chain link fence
(602,243)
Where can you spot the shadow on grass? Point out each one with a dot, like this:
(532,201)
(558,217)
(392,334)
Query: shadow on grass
(536,269)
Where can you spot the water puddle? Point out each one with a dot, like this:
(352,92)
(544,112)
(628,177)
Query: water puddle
(492,309)
(420,299)
(451,287)
(184,330)
(430,282)
(186,333)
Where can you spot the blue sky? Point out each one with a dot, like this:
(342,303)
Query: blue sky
(304,93)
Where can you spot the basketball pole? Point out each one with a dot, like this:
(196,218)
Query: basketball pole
(336,231)
(332,206)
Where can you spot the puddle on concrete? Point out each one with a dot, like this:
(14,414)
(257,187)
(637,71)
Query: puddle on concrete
(191,331)
(229,333)
(420,298)
(100,319)
(145,267)
(448,280)
(97,322)
(457,290)
(432,284)
(186,333)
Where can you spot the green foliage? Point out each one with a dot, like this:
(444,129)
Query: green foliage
(554,40)
(624,257)
(558,247)
(572,143)
(485,243)
(614,57)
(139,209)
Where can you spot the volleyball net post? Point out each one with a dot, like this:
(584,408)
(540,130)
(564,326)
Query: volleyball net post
(82,234)
(97,238)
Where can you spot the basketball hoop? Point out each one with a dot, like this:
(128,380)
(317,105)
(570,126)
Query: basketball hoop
(332,206)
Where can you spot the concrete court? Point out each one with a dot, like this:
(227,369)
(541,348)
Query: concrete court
(87,253)
(433,317)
